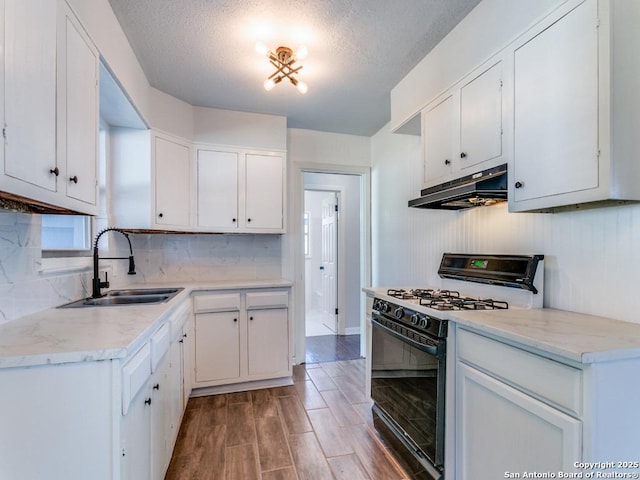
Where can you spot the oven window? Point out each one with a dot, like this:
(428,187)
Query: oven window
(405,385)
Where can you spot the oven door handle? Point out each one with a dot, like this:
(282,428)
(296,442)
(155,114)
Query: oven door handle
(430,349)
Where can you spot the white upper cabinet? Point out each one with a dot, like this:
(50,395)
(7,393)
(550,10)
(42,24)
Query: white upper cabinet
(438,139)
(172,179)
(78,110)
(264,193)
(240,191)
(481,118)
(218,190)
(50,107)
(30,97)
(462,129)
(575,99)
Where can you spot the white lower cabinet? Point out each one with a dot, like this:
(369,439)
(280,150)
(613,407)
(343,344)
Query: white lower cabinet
(100,420)
(240,337)
(518,411)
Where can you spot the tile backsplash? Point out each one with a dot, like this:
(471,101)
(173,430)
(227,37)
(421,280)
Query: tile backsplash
(26,288)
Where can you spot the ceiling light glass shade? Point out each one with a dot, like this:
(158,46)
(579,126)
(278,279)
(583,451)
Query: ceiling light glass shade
(269,84)
(262,49)
(301,52)
(302,87)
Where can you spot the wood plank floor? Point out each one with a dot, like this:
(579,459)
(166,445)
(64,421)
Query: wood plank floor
(319,428)
(329,348)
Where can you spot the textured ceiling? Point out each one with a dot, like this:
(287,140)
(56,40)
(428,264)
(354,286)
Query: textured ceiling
(203,52)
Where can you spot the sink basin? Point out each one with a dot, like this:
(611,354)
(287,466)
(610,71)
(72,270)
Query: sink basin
(139,296)
(142,291)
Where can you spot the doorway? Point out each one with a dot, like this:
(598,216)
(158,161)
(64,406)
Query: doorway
(321,209)
(332,234)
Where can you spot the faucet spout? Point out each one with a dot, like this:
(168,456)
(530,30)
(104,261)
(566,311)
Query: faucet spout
(98,284)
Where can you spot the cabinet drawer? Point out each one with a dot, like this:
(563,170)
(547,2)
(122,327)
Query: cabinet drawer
(223,302)
(267,300)
(134,375)
(559,384)
(160,345)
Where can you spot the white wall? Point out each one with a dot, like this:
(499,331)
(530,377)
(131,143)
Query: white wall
(310,146)
(591,256)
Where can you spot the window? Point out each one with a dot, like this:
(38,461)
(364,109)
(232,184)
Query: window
(306,233)
(66,235)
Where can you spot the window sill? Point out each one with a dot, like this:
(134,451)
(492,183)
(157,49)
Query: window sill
(65,265)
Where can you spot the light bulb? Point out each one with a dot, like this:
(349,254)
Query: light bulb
(302,87)
(301,52)
(269,84)
(261,48)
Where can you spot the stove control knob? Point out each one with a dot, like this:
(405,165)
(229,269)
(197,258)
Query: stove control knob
(383,307)
(424,322)
(399,313)
(376,304)
(414,319)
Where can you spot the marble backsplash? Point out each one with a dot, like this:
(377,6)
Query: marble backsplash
(26,288)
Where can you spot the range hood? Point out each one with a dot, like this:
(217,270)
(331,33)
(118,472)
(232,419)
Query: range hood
(486,187)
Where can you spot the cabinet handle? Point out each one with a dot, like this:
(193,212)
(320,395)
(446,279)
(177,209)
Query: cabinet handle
(181,340)
(156,386)
(519,184)
(55,171)
(160,215)
(463,155)
(74,179)
(447,162)
(147,401)
(184,335)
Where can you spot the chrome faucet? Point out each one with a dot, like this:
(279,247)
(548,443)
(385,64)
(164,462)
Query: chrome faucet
(97,283)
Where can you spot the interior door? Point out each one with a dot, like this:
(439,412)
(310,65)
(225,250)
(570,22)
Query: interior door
(329,265)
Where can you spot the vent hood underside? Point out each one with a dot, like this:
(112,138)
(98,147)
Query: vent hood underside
(487,187)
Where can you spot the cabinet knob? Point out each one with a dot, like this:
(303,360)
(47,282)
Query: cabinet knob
(74,179)
(519,184)
(463,155)
(233,220)
(147,401)
(160,215)
(156,386)
(250,318)
(55,171)
(447,162)
(248,219)
(184,335)
(235,319)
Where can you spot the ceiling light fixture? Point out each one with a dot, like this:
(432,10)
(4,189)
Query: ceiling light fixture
(283,60)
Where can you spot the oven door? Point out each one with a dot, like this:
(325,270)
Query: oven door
(407,387)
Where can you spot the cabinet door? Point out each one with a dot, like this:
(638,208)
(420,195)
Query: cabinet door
(556,108)
(80,94)
(438,135)
(500,429)
(185,357)
(172,182)
(217,346)
(135,430)
(481,118)
(218,190)
(268,342)
(30,92)
(264,192)
(161,420)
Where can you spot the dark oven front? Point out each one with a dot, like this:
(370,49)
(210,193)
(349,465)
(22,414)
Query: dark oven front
(408,388)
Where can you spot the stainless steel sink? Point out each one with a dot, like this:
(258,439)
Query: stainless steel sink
(142,291)
(127,297)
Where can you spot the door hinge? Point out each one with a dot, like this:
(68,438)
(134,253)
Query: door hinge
(336,207)
(4,132)
(336,310)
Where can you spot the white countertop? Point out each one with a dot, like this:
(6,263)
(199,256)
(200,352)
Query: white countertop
(572,336)
(63,335)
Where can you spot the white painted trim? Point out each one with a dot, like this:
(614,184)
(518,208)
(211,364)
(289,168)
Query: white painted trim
(296,258)
(354,331)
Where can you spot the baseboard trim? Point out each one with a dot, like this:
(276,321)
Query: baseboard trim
(352,331)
